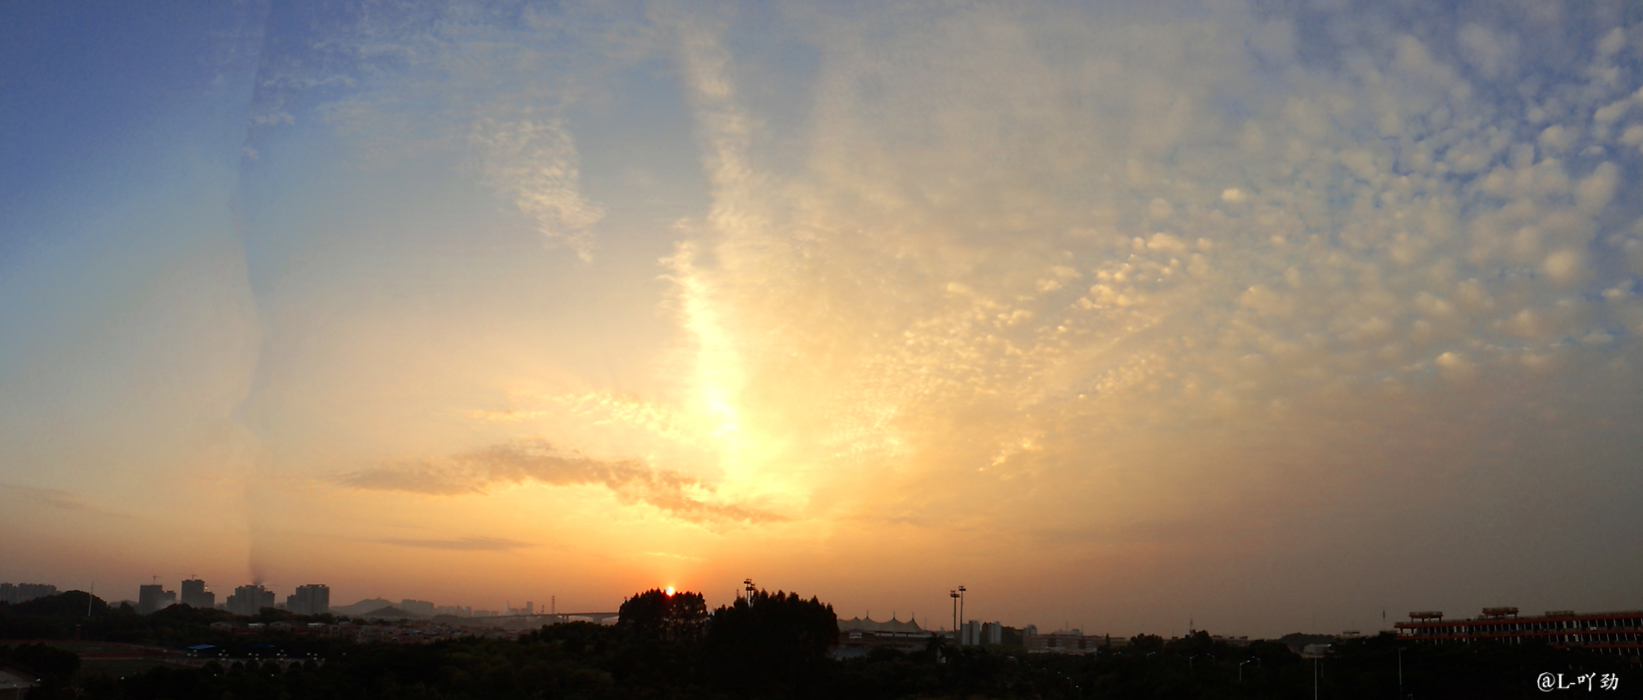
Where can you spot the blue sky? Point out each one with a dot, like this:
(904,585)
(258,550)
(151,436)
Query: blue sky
(1123,313)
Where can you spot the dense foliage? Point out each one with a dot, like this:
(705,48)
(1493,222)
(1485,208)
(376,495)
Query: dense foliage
(771,644)
(655,614)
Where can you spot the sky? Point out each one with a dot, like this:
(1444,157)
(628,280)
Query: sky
(1255,317)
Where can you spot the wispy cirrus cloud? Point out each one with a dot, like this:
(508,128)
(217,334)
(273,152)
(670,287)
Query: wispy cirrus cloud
(51,498)
(538,461)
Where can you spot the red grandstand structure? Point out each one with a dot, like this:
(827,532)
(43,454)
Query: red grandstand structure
(1608,632)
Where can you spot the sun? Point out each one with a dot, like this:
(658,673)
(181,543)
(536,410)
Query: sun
(670,590)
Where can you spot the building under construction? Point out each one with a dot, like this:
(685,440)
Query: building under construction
(1607,632)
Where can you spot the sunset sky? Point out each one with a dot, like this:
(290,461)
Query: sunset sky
(1267,316)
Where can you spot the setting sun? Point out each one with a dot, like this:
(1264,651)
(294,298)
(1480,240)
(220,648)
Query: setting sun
(670,590)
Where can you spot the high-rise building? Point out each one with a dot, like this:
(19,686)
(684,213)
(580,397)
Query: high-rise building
(195,595)
(312,599)
(24,592)
(417,607)
(154,597)
(250,600)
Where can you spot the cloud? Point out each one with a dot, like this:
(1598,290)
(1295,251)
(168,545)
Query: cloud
(463,544)
(1490,53)
(536,165)
(1358,220)
(537,461)
(992,266)
(53,498)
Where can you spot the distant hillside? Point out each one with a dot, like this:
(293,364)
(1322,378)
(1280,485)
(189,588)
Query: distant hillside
(67,604)
(391,613)
(361,607)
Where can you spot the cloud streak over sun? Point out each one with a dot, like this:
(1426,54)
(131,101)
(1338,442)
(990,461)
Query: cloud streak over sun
(537,461)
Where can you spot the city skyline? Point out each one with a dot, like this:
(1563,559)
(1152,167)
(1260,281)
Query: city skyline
(317,597)
(1264,317)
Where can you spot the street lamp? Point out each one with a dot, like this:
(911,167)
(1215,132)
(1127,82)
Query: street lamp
(1241,669)
(954,595)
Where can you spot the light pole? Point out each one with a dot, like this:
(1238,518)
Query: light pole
(954,595)
(1241,669)
(1400,673)
(748,586)
(961,604)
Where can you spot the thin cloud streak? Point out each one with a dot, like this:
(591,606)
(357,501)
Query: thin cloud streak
(537,461)
(54,498)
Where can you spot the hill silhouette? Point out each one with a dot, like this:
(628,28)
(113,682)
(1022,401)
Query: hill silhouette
(392,613)
(66,604)
(362,607)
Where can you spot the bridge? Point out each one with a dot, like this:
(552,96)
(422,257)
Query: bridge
(553,618)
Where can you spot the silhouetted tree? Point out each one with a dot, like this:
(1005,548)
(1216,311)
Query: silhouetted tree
(772,643)
(54,666)
(680,617)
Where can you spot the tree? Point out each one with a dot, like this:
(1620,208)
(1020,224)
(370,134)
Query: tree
(770,641)
(53,665)
(680,617)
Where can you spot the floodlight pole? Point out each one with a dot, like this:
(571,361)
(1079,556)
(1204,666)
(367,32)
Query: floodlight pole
(961,604)
(954,595)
